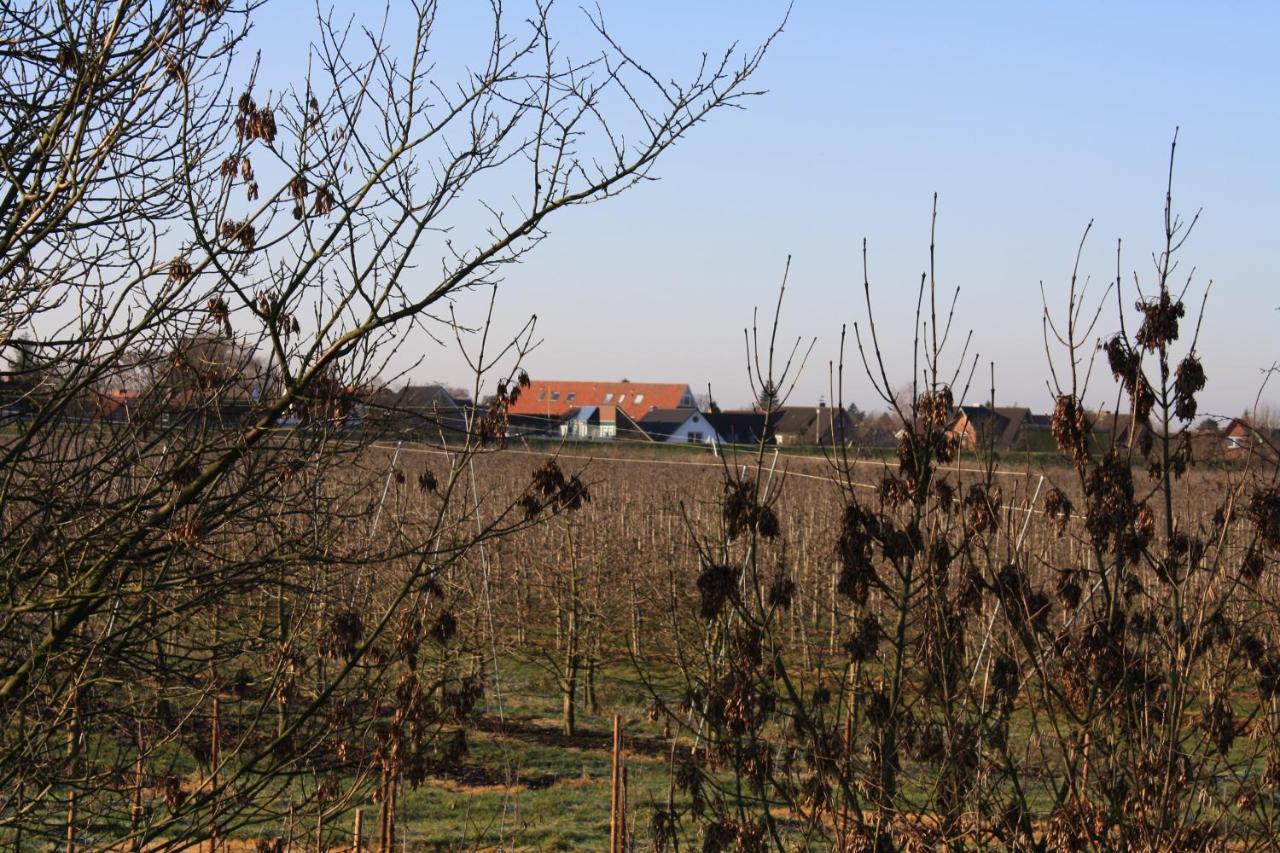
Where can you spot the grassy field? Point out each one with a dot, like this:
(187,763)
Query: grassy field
(612,595)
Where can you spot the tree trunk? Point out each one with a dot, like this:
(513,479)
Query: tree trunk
(572,660)
(593,705)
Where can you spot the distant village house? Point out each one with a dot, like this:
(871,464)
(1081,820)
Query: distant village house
(554,399)
(679,426)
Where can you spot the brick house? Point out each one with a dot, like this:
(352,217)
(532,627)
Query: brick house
(1241,438)
(1002,428)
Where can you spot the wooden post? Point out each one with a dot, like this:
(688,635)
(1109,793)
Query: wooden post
(71,822)
(615,787)
(357,844)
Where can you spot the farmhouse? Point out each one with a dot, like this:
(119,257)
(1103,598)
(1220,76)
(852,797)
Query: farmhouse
(790,425)
(1016,428)
(679,426)
(116,405)
(553,399)
(743,426)
(813,425)
(1240,438)
(427,410)
(1002,428)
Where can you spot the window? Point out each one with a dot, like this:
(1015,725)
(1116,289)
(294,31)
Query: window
(542,393)
(694,419)
(694,437)
(622,398)
(639,399)
(555,395)
(608,398)
(572,394)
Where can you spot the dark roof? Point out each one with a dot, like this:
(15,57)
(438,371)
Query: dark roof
(1002,426)
(814,422)
(423,397)
(668,416)
(743,426)
(664,422)
(425,409)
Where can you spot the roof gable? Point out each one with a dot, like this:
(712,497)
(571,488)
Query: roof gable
(814,422)
(743,426)
(418,397)
(666,422)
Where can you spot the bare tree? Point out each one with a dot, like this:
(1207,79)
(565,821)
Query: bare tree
(1065,661)
(203,614)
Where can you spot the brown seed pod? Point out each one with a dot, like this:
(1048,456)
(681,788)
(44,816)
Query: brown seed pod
(1159,321)
(1071,429)
(1252,566)
(865,641)
(444,629)
(322,205)
(242,232)
(1189,380)
(716,586)
(1057,506)
(1264,510)
(781,591)
(68,58)
(179,270)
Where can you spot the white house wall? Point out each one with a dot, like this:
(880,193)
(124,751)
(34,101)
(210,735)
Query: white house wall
(681,435)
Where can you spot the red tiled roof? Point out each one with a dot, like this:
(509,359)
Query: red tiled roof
(109,402)
(552,397)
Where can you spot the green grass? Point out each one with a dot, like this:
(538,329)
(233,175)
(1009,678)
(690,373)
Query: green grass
(562,802)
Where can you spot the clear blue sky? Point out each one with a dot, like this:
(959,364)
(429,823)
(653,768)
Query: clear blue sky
(1029,120)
